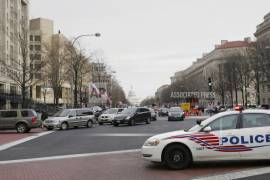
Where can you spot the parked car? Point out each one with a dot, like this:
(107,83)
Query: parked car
(23,120)
(176,113)
(70,118)
(163,112)
(108,115)
(153,114)
(131,116)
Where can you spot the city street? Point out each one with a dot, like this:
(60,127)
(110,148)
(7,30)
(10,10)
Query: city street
(103,152)
(103,138)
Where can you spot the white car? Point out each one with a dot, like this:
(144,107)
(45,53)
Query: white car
(229,135)
(109,115)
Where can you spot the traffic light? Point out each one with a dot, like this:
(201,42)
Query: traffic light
(210,85)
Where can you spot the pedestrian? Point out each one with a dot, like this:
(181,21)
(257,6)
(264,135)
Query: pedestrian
(44,116)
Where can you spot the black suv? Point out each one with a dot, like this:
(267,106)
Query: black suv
(131,116)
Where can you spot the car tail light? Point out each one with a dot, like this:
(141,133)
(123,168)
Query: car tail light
(34,119)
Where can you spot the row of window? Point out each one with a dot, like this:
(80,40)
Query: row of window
(35,38)
(13,89)
(35,47)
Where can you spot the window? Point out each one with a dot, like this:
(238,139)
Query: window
(31,38)
(13,89)
(8,114)
(27,113)
(268,87)
(38,91)
(37,38)
(2,88)
(224,123)
(84,112)
(255,120)
(38,57)
(37,47)
(31,47)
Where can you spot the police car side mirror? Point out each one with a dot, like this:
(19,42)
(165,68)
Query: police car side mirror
(207,129)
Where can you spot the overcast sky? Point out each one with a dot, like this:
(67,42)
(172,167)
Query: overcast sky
(146,41)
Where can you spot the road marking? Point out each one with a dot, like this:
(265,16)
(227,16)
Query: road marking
(67,156)
(122,134)
(23,140)
(237,175)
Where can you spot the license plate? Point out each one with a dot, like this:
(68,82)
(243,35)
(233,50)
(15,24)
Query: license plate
(118,121)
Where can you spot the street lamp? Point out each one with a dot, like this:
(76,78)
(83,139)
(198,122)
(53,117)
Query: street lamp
(73,48)
(85,35)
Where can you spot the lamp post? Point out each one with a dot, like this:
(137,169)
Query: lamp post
(76,80)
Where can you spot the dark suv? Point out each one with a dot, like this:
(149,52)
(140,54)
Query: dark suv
(23,120)
(131,116)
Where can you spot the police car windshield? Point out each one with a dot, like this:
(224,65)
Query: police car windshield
(197,127)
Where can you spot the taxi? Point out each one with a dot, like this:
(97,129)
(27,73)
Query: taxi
(231,135)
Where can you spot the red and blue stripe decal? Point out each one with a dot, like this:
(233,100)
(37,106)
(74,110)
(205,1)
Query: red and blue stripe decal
(211,141)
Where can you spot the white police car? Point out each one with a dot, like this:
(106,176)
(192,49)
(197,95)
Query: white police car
(229,135)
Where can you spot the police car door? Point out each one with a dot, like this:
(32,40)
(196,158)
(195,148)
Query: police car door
(221,146)
(255,135)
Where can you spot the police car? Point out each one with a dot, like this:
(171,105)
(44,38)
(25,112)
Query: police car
(231,135)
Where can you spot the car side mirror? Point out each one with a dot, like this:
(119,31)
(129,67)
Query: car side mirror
(207,129)
(70,116)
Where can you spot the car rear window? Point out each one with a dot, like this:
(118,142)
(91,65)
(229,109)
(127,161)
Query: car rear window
(27,113)
(8,114)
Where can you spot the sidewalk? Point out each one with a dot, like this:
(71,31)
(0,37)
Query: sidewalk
(122,166)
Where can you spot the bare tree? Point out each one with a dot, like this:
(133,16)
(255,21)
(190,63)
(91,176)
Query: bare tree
(55,69)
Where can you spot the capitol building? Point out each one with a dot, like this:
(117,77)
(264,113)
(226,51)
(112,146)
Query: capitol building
(133,99)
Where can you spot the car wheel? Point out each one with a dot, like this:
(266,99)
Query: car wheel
(115,124)
(132,122)
(148,121)
(100,123)
(21,128)
(177,157)
(89,124)
(64,126)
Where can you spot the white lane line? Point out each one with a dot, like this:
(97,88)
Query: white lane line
(67,156)
(122,134)
(23,140)
(239,174)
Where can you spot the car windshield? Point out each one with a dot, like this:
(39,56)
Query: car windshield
(111,111)
(197,127)
(129,111)
(176,109)
(62,113)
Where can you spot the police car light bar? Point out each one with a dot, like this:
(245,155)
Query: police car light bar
(238,108)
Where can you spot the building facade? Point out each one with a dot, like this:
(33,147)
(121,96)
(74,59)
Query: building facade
(42,40)
(13,18)
(208,66)
(263,41)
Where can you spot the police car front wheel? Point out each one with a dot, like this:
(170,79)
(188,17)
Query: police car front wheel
(177,157)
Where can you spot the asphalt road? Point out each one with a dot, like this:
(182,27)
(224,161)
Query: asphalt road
(98,139)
